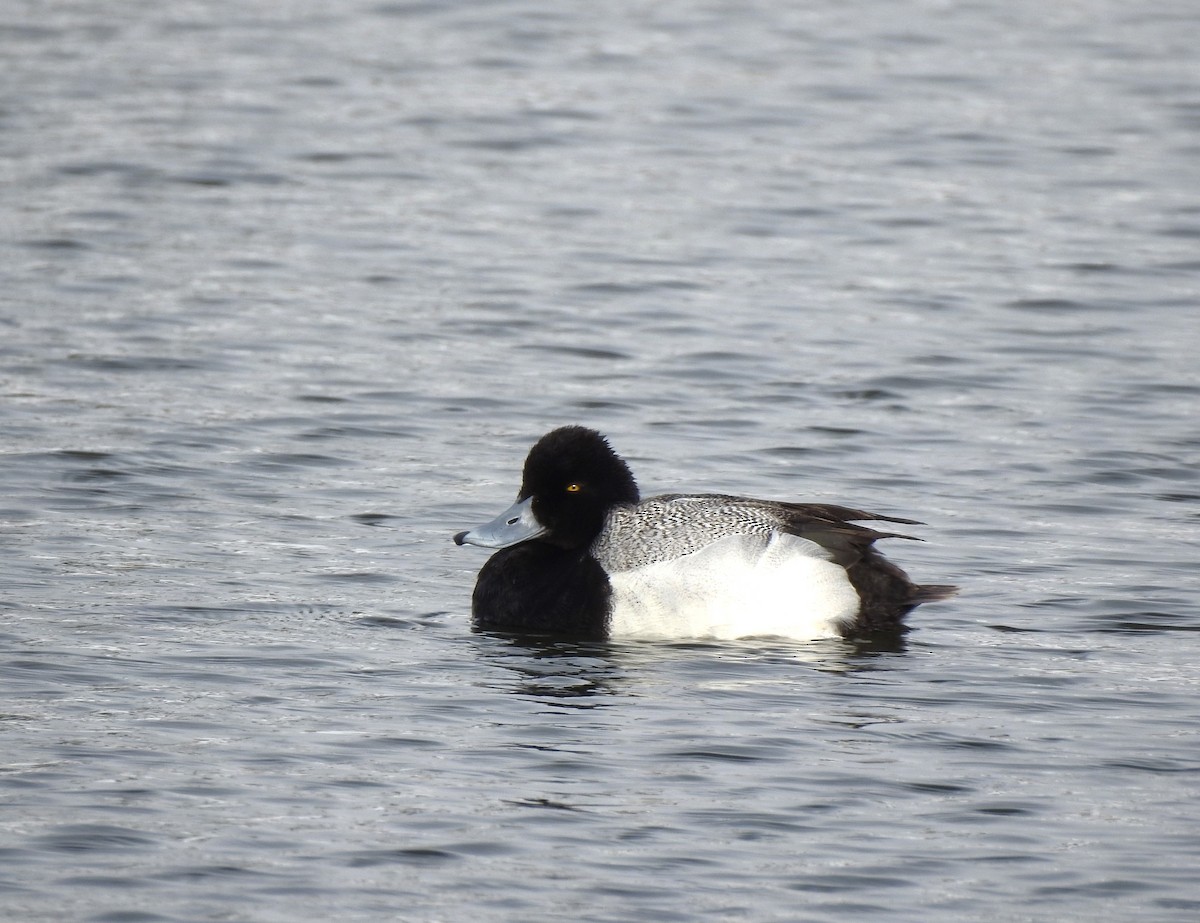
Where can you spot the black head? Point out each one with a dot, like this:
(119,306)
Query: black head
(574,478)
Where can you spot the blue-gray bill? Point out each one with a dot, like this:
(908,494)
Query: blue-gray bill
(516,524)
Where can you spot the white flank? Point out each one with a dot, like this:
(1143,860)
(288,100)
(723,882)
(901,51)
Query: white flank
(738,587)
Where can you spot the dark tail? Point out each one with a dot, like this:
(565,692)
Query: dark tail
(932,592)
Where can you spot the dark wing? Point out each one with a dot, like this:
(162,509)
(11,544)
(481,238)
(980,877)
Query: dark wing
(832,513)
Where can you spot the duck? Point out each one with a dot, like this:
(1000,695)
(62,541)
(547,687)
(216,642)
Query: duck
(581,554)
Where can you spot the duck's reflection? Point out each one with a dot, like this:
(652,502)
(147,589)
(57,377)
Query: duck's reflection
(588,673)
(570,673)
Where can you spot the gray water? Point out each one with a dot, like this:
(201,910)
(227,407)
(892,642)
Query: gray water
(288,290)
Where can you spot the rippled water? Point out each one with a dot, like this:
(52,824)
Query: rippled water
(288,290)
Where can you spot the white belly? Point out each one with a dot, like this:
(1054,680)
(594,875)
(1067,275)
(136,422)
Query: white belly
(740,586)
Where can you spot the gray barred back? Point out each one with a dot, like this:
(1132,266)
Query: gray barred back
(673,525)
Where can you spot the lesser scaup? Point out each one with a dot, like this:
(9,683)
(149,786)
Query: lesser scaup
(582,555)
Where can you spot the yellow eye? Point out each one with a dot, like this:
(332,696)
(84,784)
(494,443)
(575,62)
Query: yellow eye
(574,488)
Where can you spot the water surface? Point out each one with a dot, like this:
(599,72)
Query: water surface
(288,291)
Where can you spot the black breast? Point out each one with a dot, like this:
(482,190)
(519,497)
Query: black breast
(535,587)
